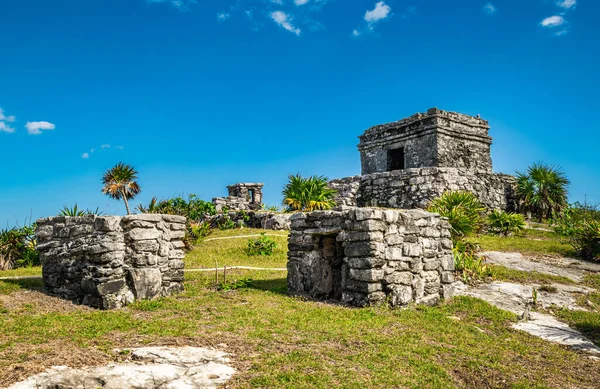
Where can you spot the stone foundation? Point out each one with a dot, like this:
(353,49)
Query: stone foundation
(369,256)
(415,188)
(108,262)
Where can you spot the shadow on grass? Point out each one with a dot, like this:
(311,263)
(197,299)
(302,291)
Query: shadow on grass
(276,285)
(9,286)
(590,331)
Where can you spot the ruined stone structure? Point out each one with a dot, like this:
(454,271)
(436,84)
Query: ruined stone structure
(406,164)
(368,256)
(242,197)
(108,262)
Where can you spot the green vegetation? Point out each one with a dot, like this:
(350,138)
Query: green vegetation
(308,194)
(120,183)
(263,246)
(232,251)
(463,211)
(505,223)
(580,225)
(285,342)
(501,273)
(194,209)
(533,242)
(542,190)
(17,247)
(76,211)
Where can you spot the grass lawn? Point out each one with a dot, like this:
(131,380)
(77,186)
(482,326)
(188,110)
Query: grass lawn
(534,242)
(232,252)
(279,341)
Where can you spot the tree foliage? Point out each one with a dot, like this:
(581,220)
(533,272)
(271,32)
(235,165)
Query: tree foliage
(542,190)
(308,194)
(120,183)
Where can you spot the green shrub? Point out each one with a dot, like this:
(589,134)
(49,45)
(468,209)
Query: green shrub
(261,246)
(505,223)
(542,190)
(463,211)
(580,225)
(17,248)
(236,284)
(76,211)
(194,209)
(308,194)
(466,262)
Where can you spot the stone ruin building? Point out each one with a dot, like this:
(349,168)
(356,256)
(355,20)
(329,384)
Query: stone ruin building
(408,163)
(242,197)
(369,256)
(378,246)
(107,262)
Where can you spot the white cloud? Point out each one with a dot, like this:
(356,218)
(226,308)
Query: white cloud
(553,21)
(300,2)
(490,9)
(36,128)
(355,32)
(8,119)
(6,128)
(567,4)
(380,12)
(181,5)
(85,155)
(284,21)
(561,32)
(221,16)
(105,146)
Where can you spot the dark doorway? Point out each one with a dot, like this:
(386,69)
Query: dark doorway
(395,159)
(332,253)
(251,195)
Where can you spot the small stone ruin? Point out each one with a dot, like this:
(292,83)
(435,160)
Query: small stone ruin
(242,197)
(107,262)
(369,256)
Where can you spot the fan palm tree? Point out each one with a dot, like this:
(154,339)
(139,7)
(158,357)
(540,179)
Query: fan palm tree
(542,190)
(119,183)
(308,194)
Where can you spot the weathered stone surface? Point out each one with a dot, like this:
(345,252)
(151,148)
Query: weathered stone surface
(350,261)
(107,262)
(146,283)
(242,197)
(147,368)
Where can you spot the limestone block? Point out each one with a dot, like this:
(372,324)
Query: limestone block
(146,283)
(143,234)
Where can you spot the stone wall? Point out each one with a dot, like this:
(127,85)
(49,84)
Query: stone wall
(108,262)
(433,139)
(369,256)
(415,188)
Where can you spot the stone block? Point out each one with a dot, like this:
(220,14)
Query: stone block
(144,234)
(146,283)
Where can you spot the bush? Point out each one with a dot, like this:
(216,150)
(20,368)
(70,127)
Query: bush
(194,209)
(463,211)
(308,194)
(542,190)
(505,223)
(261,246)
(468,264)
(580,224)
(76,211)
(17,248)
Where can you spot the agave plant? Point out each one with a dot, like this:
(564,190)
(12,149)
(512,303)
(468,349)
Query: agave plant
(308,194)
(463,211)
(17,247)
(76,211)
(542,190)
(120,183)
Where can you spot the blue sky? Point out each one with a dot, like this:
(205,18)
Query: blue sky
(201,94)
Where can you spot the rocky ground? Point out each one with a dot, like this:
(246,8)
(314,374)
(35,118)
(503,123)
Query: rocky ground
(535,316)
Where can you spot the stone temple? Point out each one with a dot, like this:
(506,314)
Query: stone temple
(378,247)
(406,164)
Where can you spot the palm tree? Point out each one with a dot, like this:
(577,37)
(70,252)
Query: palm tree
(119,183)
(308,194)
(542,190)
